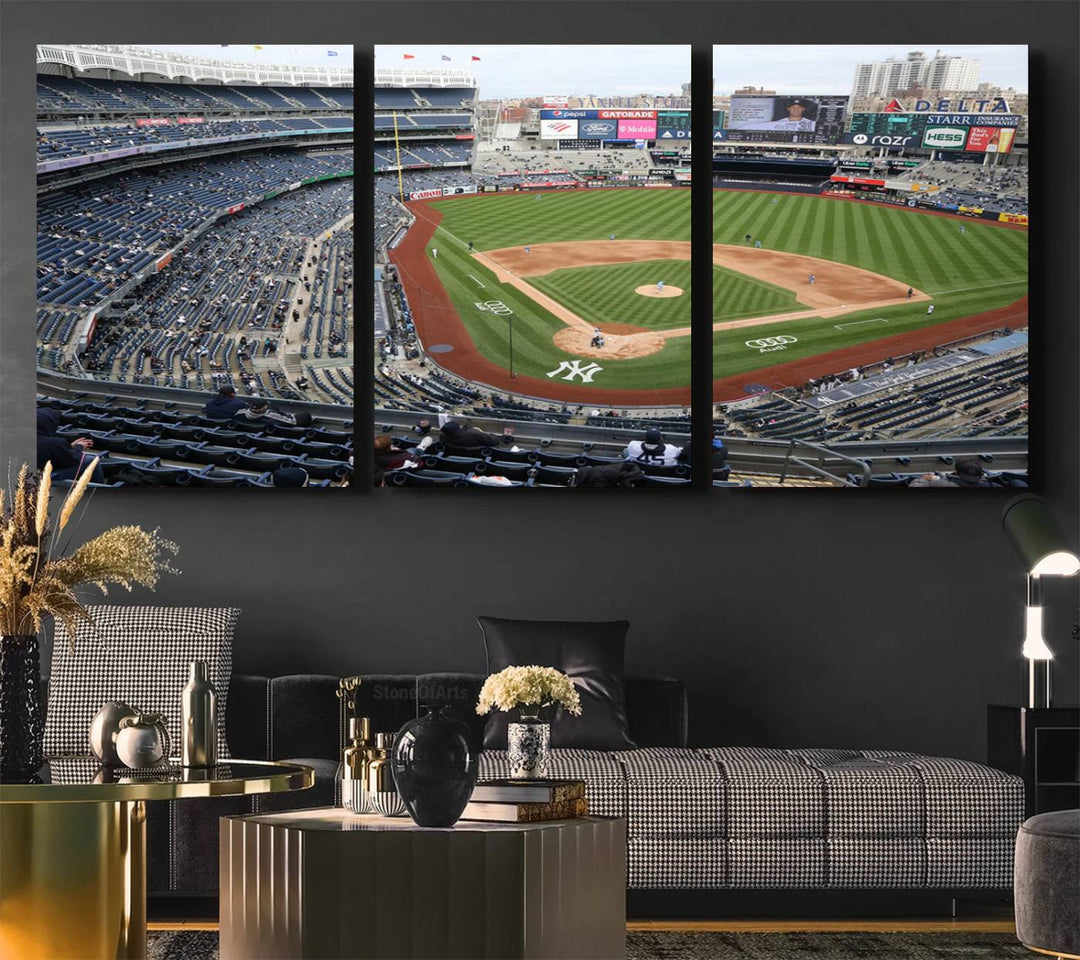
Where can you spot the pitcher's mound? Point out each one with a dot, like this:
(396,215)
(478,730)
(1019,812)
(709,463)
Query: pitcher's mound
(649,290)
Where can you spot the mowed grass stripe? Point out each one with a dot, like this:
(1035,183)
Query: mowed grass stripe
(505,220)
(735,296)
(982,269)
(606,294)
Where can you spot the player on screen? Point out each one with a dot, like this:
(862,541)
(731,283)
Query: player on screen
(795,114)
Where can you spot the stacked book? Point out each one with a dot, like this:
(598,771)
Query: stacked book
(527,801)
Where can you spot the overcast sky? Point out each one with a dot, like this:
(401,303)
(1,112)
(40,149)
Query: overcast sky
(505,72)
(309,55)
(823,68)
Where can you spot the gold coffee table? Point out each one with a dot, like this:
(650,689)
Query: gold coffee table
(73,850)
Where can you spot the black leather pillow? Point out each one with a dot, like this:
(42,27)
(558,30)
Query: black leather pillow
(593,655)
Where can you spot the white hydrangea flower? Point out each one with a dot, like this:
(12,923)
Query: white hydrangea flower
(531,686)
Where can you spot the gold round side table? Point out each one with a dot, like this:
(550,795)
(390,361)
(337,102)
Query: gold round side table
(73,849)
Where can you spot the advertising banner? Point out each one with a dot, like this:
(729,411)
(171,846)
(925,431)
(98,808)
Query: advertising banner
(567,114)
(869,181)
(964,209)
(465,136)
(944,138)
(881,139)
(671,133)
(1013,217)
(455,191)
(190,120)
(637,129)
(153,122)
(488,188)
(558,129)
(626,114)
(990,139)
(162,262)
(425,194)
(598,129)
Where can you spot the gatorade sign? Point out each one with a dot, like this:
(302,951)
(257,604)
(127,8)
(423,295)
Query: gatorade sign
(944,138)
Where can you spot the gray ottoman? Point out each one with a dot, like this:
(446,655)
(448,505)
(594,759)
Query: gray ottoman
(1048,883)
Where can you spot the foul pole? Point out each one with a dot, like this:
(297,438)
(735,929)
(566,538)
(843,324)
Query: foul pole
(397,151)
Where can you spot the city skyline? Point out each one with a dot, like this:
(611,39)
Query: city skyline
(830,68)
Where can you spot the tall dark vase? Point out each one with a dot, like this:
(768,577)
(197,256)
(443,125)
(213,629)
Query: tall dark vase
(22,708)
(434,768)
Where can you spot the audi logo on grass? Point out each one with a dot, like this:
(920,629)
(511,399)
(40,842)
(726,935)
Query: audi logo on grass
(768,344)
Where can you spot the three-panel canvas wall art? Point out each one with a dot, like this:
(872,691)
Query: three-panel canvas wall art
(531,302)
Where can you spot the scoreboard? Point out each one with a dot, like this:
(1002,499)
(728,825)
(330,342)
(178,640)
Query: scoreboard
(812,119)
(961,132)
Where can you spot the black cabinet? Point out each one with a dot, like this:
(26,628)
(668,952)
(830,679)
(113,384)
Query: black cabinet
(1042,745)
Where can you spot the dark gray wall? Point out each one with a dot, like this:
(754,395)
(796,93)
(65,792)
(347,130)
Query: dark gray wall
(795,617)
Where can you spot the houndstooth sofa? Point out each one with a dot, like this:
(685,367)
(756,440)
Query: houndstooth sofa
(709,819)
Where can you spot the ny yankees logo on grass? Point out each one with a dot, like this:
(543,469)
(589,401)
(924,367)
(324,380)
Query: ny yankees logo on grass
(574,368)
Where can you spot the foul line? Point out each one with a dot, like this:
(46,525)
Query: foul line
(474,280)
(855,323)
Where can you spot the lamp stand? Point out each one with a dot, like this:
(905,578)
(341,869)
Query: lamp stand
(1038,683)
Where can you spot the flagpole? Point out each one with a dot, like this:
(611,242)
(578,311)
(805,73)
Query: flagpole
(397,148)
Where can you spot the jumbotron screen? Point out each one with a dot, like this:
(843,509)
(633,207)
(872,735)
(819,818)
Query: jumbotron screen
(815,118)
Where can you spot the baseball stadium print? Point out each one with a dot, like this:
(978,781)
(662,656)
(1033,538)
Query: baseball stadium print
(195,264)
(870,266)
(532,279)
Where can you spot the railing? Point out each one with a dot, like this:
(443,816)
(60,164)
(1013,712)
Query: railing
(819,469)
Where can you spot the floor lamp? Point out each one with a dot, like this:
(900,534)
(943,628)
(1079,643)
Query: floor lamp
(1044,551)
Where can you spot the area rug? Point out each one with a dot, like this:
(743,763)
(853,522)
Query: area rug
(200,945)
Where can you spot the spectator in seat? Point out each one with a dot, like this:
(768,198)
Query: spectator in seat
(720,468)
(68,458)
(224,405)
(259,411)
(652,449)
(969,473)
(390,457)
(931,480)
(457,434)
(290,477)
(625,474)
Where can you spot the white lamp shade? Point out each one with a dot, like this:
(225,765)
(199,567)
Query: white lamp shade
(1060,563)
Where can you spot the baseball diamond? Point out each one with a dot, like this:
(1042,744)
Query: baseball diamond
(573,280)
(864,257)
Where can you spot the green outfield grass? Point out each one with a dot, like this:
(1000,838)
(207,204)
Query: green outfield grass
(510,219)
(598,294)
(606,294)
(966,273)
(535,354)
(735,295)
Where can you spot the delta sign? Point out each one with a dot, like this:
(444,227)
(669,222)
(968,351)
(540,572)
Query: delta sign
(959,105)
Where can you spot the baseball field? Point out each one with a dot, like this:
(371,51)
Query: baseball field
(510,289)
(595,259)
(864,257)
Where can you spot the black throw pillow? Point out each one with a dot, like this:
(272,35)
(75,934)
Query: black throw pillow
(593,655)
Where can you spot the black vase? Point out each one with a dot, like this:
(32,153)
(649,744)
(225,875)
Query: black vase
(434,768)
(22,708)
